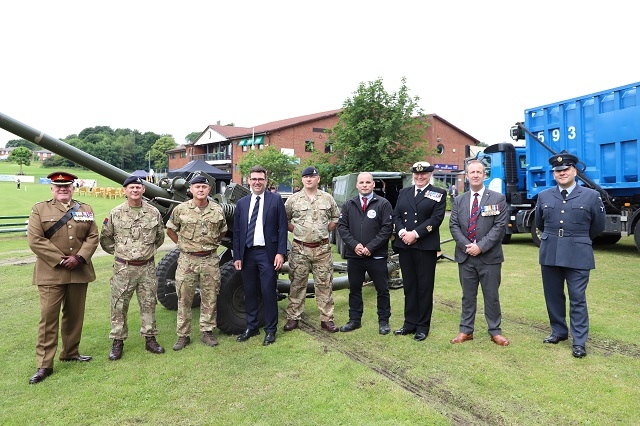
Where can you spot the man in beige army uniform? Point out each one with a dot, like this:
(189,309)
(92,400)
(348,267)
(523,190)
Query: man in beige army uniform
(197,226)
(312,214)
(63,235)
(132,232)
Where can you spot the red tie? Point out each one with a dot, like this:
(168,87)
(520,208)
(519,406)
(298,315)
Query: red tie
(473,219)
(364,204)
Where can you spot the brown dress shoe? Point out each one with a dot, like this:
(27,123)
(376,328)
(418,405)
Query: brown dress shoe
(462,337)
(152,345)
(329,326)
(116,350)
(499,339)
(41,374)
(291,325)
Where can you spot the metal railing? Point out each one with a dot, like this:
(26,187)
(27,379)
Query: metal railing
(13,224)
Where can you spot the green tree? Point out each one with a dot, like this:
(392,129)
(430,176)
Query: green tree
(377,131)
(21,155)
(280,167)
(191,137)
(14,143)
(158,152)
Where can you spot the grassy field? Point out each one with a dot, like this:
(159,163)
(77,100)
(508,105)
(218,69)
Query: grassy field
(310,377)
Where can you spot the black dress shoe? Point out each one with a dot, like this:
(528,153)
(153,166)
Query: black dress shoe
(41,374)
(579,351)
(403,331)
(420,336)
(269,339)
(384,328)
(248,333)
(350,326)
(552,338)
(81,358)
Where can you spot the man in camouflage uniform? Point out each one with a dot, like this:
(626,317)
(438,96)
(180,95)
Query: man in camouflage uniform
(132,232)
(312,214)
(197,226)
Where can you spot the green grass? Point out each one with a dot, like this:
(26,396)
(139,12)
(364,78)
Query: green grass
(310,377)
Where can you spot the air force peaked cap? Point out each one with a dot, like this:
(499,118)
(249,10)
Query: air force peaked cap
(132,179)
(562,161)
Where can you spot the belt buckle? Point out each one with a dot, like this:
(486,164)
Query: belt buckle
(560,232)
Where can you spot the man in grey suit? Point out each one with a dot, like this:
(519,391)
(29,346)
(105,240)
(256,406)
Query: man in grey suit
(570,217)
(478,223)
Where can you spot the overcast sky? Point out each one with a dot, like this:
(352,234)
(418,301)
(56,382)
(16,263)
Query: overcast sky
(175,67)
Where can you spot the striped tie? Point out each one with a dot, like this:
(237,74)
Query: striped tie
(251,230)
(473,219)
(364,204)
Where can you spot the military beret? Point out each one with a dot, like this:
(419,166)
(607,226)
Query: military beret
(132,179)
(562,161)
(421,167)
(61,178)
(310,171)
(199,179)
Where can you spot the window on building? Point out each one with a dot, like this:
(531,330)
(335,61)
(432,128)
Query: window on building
(172,156)
(244,148)
(440,148)
(183,154)
(328,147)
(308,145)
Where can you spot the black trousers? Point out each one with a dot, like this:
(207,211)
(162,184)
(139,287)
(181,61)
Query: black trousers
(377,270)
(418,269)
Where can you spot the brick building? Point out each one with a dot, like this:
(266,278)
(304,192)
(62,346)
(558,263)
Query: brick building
(223,146)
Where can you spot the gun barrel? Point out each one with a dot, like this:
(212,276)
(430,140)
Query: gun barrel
(74,154)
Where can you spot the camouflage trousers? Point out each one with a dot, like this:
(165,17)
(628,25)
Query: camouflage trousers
(126,280)
(302,261)
(194,270)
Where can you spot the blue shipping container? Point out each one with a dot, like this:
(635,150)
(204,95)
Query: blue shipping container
(602,129)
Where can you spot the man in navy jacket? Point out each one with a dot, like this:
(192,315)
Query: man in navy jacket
(365,225)
(259,247)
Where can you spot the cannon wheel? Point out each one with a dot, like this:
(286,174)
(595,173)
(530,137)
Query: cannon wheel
(231,308)
(166,274)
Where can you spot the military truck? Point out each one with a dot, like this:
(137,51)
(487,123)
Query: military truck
(165,196)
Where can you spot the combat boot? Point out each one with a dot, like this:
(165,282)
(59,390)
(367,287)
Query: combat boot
(208,338)
(116,350)
(153,346)
(181,343)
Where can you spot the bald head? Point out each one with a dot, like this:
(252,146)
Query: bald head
(365,183)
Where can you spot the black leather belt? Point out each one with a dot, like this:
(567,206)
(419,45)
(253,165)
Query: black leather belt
(134,262)
(312,245)
(200,253)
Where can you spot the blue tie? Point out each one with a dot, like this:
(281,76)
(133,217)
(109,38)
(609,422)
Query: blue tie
(252,223)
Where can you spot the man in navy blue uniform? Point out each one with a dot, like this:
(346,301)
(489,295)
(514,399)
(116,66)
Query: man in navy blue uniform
(259,247)
(418,214)
(365,225)
(570,217)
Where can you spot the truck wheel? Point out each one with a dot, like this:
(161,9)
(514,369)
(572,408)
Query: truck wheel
(535,234)
(636,235)
(338,243)
(231,308)
(506,238)
(166,274)
(332,237)
(603,240)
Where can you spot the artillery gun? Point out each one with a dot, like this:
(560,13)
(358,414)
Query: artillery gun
(165,196)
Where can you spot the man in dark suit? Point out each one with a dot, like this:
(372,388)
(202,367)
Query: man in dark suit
(477,223)
(417,216)
(259,247)
(570,217)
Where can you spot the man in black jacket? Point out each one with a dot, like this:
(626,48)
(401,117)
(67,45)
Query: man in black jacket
(365,225)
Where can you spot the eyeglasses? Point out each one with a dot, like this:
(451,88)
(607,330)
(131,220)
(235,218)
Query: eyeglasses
(257,179)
